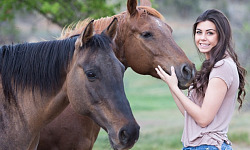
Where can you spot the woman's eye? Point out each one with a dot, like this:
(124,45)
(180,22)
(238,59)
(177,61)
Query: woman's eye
(210,33)
(198,32)
(146,35)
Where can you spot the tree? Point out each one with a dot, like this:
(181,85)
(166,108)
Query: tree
(60,12)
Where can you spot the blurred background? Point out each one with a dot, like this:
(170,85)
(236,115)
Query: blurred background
(153,107)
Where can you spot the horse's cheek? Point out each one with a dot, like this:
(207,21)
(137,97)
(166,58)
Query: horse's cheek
(75,91)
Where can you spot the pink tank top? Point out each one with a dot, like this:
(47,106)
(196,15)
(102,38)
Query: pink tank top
(216,132)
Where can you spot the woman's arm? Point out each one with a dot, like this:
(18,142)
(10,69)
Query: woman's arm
(213,99)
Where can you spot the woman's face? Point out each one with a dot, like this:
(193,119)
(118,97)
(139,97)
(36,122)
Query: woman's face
(206,37)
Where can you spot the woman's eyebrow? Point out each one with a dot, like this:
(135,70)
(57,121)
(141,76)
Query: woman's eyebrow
(206,30)
(210,30)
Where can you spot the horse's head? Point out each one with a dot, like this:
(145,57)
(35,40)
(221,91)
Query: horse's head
(95,86)
(149,42)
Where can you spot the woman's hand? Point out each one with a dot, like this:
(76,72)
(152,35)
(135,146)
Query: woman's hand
(171,80)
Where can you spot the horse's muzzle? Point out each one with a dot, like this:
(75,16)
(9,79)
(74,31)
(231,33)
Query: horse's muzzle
(129,134)
(186,76)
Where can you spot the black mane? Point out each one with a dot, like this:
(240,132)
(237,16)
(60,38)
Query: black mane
(40,65)
(99,41)
(35,65)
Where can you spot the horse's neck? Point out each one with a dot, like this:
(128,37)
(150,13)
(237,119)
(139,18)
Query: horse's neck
(102,23)
(30,114)
(23,122)
(25,111)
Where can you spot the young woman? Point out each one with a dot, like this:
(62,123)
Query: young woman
(210,103)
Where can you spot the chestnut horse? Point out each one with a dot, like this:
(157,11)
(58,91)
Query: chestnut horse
(40,79)
(143,41)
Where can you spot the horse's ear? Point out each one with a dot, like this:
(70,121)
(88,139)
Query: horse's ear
(87,33)
(111,29)
(131,6)
(145,3)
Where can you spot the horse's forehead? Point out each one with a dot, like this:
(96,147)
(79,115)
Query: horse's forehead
(147,19)
(104,61)
(158,23)
(153,24)
(98,55)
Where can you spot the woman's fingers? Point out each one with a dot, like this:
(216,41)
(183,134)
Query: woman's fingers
(163,75)
(159,73)
(171,80)
(162,71)
(172,71)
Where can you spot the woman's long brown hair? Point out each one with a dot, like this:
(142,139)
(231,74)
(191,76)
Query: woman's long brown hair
(217,53)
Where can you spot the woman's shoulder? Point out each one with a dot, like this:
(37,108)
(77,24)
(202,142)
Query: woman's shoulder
(225,69)
(226,63)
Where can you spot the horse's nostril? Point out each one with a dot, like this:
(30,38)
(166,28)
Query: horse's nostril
(186,72)
(124,136)
(129,134)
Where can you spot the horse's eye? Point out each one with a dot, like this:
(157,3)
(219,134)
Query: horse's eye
(146,35)
(91,75)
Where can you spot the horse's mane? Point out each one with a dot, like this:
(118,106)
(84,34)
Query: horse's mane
(77,28)
(35,64)
(73,28)
(152,11)
(40,65)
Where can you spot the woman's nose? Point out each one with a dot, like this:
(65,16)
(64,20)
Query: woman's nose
(203,37)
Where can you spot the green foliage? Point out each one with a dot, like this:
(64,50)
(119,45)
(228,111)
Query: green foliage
(61,12)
